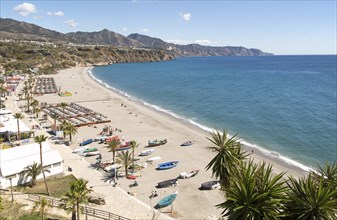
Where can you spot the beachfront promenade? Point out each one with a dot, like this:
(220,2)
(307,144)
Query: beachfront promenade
(117,200)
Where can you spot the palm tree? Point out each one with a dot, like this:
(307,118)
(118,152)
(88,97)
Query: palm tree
(125,158)
(34,104)
(64,128)
(112,145)
(18,116)
(229,154)
(79,192)
(134,145)
(63,106)
(71,130)
(69,204)
(307,199)
(254,193)
(32,171)
(328,174)
(55,117)
(37,111)
(2,91)
(40,139)
(42,206)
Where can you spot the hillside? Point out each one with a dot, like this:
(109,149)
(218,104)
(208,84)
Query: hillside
(12,29)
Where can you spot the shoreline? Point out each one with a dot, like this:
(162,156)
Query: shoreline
(261,152)
(142,123)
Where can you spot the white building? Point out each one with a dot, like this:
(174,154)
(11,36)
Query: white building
(14,160)
(9,125)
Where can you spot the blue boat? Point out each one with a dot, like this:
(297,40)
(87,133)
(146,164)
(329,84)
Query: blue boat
(167,165)
(89,141)
(166,201)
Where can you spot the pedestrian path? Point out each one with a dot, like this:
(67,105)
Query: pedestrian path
(117,200)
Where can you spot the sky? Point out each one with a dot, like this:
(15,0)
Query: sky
(282,27)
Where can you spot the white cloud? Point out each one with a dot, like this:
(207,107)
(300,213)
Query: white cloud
(181,42)
(124,29)
(71,23)
(145,30)
(25,9)
(203,42)
(59,13)
(186,16)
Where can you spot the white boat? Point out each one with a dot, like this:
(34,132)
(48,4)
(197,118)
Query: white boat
(92,153)
(152,159)
(146,152)
(81,149)
(113,166)
(185,175)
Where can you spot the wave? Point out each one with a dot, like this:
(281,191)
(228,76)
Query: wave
(267,153)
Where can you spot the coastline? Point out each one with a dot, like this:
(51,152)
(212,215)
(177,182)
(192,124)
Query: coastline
(261,153)
(140,122)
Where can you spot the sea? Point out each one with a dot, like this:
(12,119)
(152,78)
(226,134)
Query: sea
(284,106)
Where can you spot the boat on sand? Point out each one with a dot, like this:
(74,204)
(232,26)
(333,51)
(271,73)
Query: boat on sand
(155,143)
(185,175)
(167,165)
(166,201)
(146,152)
(152,159)
(210,185)
(86,142)
(167,183)
(91,153)
(187,143)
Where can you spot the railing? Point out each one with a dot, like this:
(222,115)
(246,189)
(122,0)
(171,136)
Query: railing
(86,210)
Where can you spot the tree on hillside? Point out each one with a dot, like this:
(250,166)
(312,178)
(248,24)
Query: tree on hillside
(229,154)
(40,139)
(254,193)
(18,117)
(112,145)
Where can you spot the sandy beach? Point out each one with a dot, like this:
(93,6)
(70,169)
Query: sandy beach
(141,123)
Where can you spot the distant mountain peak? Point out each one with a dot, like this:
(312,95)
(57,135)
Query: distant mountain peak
(13,29)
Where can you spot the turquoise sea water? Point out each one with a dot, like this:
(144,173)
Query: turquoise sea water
(285,105)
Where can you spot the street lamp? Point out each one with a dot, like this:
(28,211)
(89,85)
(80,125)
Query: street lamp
(10,180)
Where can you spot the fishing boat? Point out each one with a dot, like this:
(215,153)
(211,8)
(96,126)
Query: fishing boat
(155,143)
(86,142)
(146,152)
(152,159)
(114,166)
(167,165)
(166,201)
(210,185)
(167,183)
(91,149)
(187,143)
(125,146)
(131,177)
(91,153)
(185,175)
(80,149)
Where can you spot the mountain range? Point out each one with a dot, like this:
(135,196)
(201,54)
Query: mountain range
(13,29)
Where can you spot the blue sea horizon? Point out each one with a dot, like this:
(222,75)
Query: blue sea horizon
(285,105)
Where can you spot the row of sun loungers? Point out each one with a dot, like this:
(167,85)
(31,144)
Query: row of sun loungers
(45,85)
(76,114)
